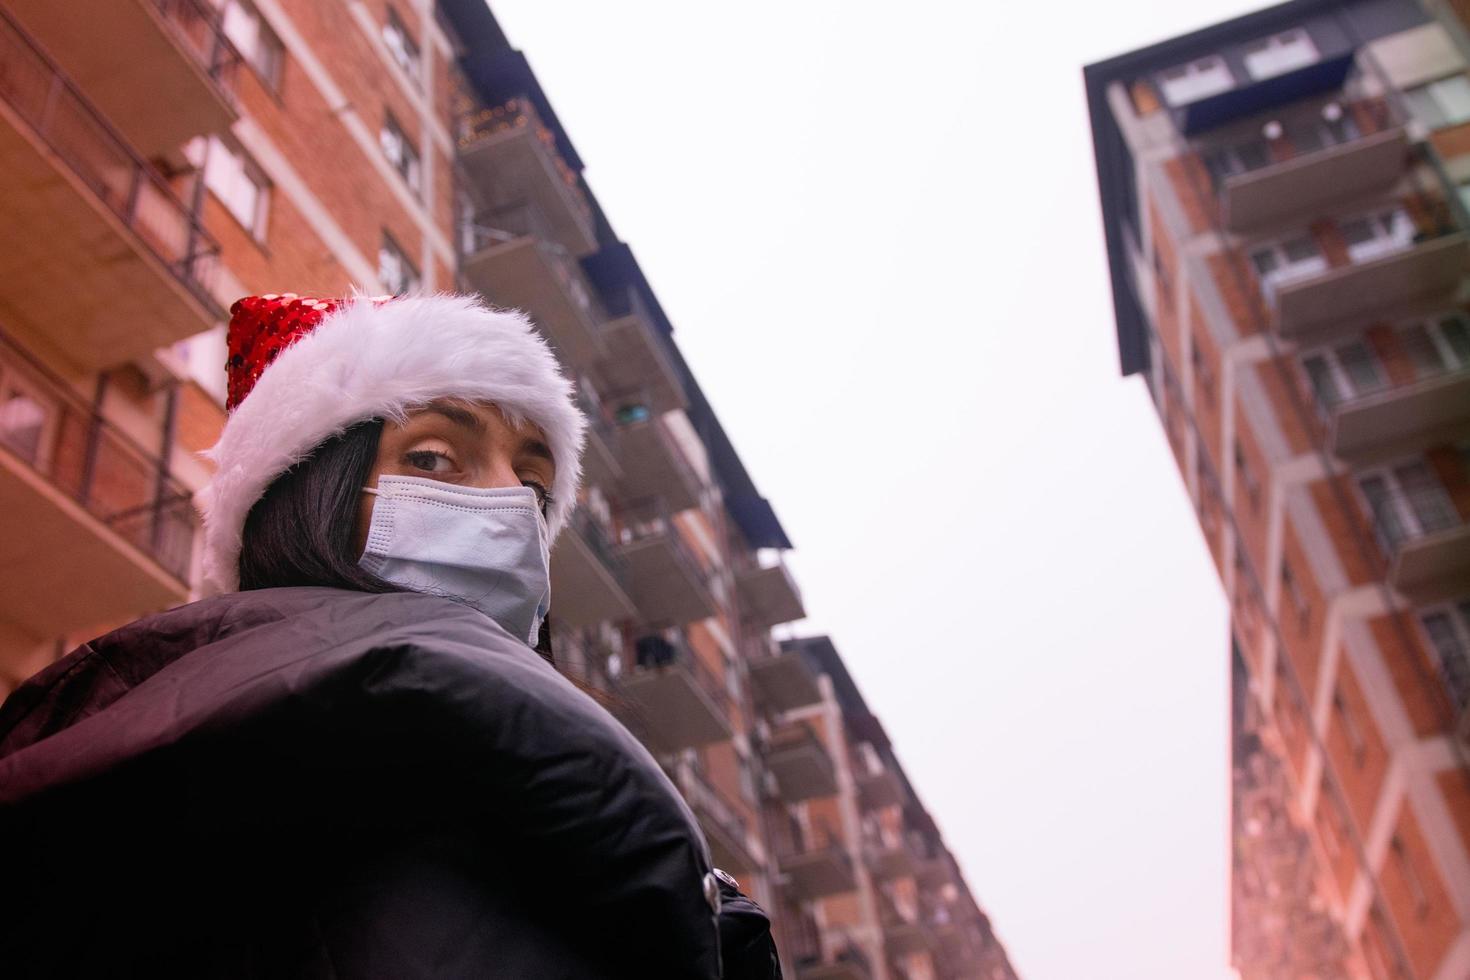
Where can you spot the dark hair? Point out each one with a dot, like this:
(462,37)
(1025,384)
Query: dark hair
(301,530)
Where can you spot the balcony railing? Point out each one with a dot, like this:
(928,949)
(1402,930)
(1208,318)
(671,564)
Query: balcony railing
(512,154)
(84,456)
(1361,149)
(640,358)
(1426,540)
(718,811)
(37,90)
(654,462)
(1422,269)
(198,25)
(841,958)
(677,696)
(1402,417)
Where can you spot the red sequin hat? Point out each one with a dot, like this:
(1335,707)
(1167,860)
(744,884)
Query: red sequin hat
(263,326)
(302,370)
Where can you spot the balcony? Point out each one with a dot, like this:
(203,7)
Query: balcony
(1403,418)
(890,855)
(669,584)
(653,463)
(1426,273)
(844,959)
(160,71)
(638,358)
(1312,182)
(800,763)
(905,934)
(102,262)
(1427,543)
(781,678)
(878,785)
(768,592)
(511,155)
(589,579)
(725,828)
(600,466)
(517,263)
(818,872)
(96,528)
(681,702)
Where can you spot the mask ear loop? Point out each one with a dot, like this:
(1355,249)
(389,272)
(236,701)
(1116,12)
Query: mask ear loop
(370,490)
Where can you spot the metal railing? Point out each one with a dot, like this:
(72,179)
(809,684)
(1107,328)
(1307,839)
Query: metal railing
(669,649)
(633,413)
(839,948)
(1401,517)
(706,799)
(517,114)
(1370,116)
(523,219)
(595,534)
(650,518)
(1329,401)
(79,135)
(198,25)
(49,429)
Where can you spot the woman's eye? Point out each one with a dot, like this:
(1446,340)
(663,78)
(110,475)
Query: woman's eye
(429,460)
(543,495)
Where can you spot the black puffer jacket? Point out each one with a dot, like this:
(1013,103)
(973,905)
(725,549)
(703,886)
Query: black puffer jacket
(317,783)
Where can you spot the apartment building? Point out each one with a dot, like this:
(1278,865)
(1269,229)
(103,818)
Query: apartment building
(1285,202)
(161,158)
(871,890)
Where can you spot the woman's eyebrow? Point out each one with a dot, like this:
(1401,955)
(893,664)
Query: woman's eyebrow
(459,416)
(539,449)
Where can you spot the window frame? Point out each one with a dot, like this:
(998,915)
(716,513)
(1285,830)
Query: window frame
(1385,222)
(270,70)
(1269,50)
(405,49)
(1346,388)
(1192,72)
(414,279)
(247,169)
(410,167)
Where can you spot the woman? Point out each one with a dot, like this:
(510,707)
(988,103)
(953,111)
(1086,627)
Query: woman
(350,762)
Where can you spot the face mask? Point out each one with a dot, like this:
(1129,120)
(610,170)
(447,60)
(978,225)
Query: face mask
(485,547)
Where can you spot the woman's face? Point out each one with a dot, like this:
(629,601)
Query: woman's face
(466,443)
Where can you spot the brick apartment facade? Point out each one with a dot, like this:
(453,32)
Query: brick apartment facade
(161,158)
(1285,201)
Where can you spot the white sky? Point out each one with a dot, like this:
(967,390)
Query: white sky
(875,228)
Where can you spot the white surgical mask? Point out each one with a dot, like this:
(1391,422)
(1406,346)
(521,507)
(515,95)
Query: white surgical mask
(487,547)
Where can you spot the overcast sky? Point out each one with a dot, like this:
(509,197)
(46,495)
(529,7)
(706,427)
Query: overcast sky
(875,228)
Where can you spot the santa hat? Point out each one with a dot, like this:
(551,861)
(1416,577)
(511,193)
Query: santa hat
(303,370)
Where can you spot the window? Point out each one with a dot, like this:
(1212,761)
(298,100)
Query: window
(1196,80)
(26,420)
(1247,477)
(1379,233)
(1411,876)
(1281,263)
(1407,501)
(1350,728)
(1437,345)
(1238,158)
(239,185)
(1279,54)
(1298,598)
(400,152)
(1333,127)
(401,45)
(254,39)
(1448,629)
(1442,103)
(1341,373)
(395,271)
